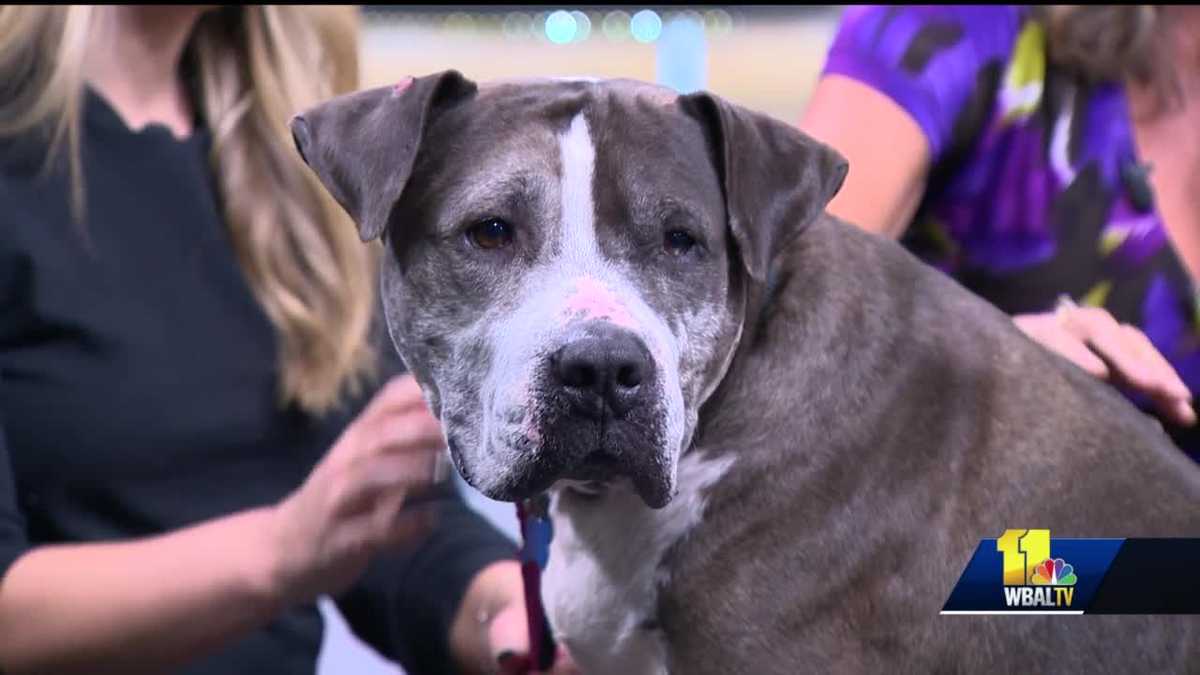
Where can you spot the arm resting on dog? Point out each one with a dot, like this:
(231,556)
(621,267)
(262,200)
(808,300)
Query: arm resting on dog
(895,126)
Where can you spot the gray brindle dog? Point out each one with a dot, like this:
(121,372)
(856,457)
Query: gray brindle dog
(772,440)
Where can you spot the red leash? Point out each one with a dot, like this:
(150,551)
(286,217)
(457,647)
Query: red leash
(536,531)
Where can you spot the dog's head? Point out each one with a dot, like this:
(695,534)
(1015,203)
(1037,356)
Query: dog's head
(566,261)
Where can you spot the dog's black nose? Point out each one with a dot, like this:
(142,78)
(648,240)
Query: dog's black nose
(607,365)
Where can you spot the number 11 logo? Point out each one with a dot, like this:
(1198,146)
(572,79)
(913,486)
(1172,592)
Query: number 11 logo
(1023,550)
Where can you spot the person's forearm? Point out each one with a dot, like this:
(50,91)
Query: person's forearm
(888,153)
(141,606)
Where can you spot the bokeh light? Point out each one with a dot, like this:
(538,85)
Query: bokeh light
(616,25)
(583,26)
(517,25)
(459,22)
(718,22)
(561,27)
(645,26)
(539,26)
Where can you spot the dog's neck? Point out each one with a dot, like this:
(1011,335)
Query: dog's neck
(803,311)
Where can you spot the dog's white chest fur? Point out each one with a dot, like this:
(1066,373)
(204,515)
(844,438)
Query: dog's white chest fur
(600,585)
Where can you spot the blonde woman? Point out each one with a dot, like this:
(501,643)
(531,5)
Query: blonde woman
(1046,158)
(204,428)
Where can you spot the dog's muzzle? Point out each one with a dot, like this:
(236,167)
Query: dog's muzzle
(604,414)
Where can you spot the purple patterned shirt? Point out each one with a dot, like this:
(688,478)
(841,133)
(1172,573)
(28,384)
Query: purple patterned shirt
(1035,190)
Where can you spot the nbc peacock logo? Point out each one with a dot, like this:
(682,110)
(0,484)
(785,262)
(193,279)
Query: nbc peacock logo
(1056,572)
(1032,577)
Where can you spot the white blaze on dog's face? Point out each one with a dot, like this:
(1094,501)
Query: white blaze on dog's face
(560,272)
(558,280)
(578,294)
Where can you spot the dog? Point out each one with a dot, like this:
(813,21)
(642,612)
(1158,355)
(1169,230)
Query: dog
(771,440)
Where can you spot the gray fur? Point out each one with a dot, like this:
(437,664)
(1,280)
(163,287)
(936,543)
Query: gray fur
(884,421)
(870,419)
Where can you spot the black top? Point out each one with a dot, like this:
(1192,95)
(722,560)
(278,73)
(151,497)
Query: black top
(138,391)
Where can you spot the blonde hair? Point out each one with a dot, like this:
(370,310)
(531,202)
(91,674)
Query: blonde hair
(255,67)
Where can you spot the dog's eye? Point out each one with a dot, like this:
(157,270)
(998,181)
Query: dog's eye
(490,233)
(678,242)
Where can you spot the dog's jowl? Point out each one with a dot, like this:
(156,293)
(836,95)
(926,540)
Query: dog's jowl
(772,440)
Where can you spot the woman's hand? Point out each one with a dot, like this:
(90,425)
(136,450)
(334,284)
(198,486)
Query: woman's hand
(490,635)
(322,536)
(1119,353)
(508,636)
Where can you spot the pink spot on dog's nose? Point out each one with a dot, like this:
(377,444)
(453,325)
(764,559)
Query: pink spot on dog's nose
(402,85)
(593,300)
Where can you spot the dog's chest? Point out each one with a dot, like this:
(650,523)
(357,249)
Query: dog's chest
(600,586)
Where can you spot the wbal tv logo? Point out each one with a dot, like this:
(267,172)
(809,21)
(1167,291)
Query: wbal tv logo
(1033,578)
(1024,572)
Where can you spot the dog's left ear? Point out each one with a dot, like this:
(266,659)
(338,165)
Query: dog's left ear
(363,145)
(777,179)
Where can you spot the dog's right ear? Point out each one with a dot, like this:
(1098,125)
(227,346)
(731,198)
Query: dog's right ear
(363,145)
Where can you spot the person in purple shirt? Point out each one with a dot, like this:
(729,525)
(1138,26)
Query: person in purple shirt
(1049,160)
